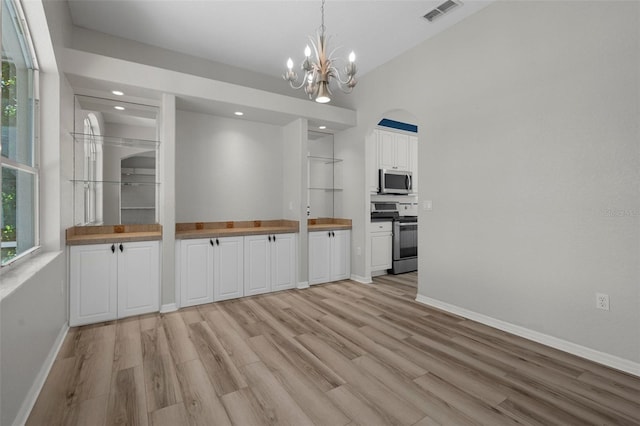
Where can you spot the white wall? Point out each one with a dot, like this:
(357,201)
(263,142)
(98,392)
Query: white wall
(528,115)
(227,169)
(294,191)
(32,323)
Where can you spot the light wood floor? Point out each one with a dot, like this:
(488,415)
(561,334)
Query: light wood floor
(335,354)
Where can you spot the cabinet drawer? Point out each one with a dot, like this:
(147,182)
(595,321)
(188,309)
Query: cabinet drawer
(381,226)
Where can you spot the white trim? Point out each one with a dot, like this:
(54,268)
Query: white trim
(169,307)
(38,383)
(302,285)
(545,339)
(361,280)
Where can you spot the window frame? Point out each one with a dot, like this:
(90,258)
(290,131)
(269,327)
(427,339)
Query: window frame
(28,51)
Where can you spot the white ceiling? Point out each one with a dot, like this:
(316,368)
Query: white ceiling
(261,35)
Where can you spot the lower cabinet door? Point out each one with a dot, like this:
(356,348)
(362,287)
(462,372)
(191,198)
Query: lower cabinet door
(196,271)
(93,284)
(257,265)
(228,268)
(340,255)
(138,278)
(283,262)
(381,256)
(319,257)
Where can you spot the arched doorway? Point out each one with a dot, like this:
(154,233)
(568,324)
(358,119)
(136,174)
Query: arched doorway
(392,143)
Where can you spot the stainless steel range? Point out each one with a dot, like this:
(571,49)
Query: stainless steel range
(405,244)
(405,234)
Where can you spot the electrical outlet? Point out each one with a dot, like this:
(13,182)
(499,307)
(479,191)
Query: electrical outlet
(602,301)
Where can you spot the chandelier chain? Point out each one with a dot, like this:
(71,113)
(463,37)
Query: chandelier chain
(322,21)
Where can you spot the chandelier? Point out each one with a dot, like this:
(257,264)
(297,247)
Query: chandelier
(320,72)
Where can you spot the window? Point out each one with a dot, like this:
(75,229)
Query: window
(19,178)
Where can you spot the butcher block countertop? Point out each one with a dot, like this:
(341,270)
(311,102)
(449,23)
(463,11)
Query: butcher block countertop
(235,229)
(328,224)
(80,235)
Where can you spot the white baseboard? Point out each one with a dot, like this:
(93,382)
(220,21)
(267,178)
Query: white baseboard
(38,383)
(302,285)
(361,280)
(169,307)
(554,342)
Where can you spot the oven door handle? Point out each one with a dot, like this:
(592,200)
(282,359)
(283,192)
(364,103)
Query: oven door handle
(408,224)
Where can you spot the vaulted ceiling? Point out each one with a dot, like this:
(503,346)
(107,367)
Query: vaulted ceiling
(261,35)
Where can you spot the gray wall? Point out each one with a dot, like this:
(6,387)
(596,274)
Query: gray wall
(528,115)
(227,169)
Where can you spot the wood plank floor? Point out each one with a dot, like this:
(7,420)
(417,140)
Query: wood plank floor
(335,354)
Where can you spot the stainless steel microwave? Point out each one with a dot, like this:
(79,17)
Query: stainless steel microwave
(395,182)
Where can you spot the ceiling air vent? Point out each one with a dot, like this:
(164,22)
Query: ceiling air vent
(441,10)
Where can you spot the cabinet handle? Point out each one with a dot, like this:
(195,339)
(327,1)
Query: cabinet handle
(269,238)
(121,248)
(217,242)
(329,234)
(274,238)
(333,234)
(211,241)
(113,248)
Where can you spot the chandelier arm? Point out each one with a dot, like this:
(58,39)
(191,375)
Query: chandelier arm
(346,86)
(293,86)
(336,74)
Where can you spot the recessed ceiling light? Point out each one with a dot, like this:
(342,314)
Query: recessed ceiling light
(117,92)
(239,113)
(322,127)
(119,108)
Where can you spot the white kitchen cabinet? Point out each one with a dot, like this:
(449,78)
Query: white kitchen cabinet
(228,268)
(381,235)
(319,257)
(196,271)
(138,278)
(93,277)
(109,281)
(211,269)
(393,150)
(269,263)
(329,256)
(283,261)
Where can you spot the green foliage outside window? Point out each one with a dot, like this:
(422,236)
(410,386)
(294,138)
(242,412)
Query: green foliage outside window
(9,112)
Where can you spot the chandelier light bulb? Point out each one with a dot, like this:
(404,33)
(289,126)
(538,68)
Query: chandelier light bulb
(352,56)
(290,64)
(307,51)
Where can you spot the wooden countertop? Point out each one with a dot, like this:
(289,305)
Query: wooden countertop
(81,235)
(235,229)
(328,224)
